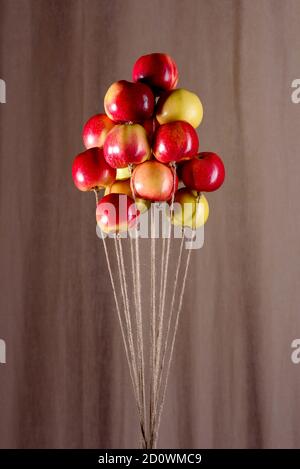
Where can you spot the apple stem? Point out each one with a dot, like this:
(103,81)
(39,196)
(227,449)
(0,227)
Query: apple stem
(130,168)
(96,196)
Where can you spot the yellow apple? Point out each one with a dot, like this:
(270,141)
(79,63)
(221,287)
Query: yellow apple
(142,205)
(180,105)
(189,209)
(119,187)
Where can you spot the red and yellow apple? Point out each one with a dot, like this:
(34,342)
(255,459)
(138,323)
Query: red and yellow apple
(154,181)
(116,213)
(129,102)
(157,70)
(126,144)
(175,142)
(190,209)
(124,187)
(179,105)
(91,171)
(204,173)
(95,130)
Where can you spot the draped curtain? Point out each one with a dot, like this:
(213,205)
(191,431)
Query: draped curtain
(66,382)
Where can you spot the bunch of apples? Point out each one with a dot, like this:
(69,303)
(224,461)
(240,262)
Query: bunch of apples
(145,146)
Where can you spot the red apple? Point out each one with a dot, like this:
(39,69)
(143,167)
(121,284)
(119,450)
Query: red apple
(126,144)
(95,130)
(204,173)
(157,70)
(116,213)
(175,141)
(150,125)
(153,181)
(129,102)
(91,171)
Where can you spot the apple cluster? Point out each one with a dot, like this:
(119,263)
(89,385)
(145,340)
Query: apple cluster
(144,146)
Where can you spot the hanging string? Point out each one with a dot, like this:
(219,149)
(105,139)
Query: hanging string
(139,347)
(162,271)
(152,328)
(128,356)
(172,348)
(134,282)
(166,341)
(123,285)
(165,277)
(140,331)
(139,323)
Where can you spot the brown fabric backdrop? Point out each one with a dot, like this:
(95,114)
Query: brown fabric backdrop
(66,382)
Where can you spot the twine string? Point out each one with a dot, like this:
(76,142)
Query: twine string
(171,315)
(172,348)
(152,329)
(162,306)
(125,341)
(140,341)
(124,292)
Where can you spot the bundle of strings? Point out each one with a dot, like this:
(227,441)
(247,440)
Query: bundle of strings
(148,327)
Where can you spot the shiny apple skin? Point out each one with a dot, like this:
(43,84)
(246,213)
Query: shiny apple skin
(129,102)
(157,70)
(189,209)
(154,181)
(151,126)
(180,105)
(91,171)
(175,141)
(126,144)
(95,131)
(124,187)
(116,213)
(205,173)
